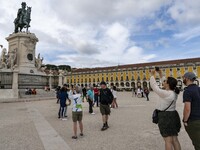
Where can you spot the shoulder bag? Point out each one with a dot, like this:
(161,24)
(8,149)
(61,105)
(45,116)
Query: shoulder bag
(155,114)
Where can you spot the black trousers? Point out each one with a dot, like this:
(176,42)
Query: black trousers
(90,106)
(147,95)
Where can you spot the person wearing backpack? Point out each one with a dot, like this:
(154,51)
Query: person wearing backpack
(191,112)
(168,118)
(106,99)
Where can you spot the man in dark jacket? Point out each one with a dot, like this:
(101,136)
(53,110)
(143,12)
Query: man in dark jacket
(63,96)
(106,98)
(191,112)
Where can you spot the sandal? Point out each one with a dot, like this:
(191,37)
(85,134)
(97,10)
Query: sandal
(81,134)
(74,137)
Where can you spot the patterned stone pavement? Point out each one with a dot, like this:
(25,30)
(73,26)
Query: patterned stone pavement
(35,126)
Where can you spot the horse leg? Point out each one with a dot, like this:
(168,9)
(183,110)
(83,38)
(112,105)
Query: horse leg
(21,29)
(16,29)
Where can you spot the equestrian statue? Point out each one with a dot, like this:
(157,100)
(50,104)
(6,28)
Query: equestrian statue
(23,18)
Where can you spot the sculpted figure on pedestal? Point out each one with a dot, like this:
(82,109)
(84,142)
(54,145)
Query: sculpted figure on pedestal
(12,57)
(3,60)
(38,62)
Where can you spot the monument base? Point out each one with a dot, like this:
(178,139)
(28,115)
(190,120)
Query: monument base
(22,53)
(6,94)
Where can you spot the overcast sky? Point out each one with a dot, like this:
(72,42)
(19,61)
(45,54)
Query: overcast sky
(91,33)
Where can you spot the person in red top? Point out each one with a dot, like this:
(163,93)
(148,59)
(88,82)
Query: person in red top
(96,96)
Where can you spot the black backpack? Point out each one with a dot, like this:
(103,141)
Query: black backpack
(108,94)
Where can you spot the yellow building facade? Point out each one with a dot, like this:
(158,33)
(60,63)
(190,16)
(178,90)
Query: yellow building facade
(133,75)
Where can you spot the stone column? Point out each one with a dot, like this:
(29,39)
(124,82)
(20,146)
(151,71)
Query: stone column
(50,83)
(60,80)
(15,84)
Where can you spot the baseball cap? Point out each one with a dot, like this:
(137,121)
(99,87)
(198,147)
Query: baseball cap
(190,75)
(103,83)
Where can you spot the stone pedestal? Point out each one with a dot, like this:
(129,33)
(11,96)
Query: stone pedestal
(15,84)
(50,81)
(24,45)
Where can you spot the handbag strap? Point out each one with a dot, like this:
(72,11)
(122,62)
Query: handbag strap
(169,106)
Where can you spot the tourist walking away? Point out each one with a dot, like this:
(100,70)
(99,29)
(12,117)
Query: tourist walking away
(63,96)
(106,98)
(146,92)
(90,98)
(77,112)
(96,96)
(84,93)
(168,118)
(191,112)
(114,92)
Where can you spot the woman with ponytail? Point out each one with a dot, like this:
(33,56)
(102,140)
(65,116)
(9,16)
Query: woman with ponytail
(168,118)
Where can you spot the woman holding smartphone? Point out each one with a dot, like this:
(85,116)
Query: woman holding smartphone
(168,120)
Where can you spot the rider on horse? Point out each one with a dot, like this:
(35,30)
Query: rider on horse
(21,20)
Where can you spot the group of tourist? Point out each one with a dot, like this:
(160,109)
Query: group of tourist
(76,95)
(168,118)
(29,91)
(140,92)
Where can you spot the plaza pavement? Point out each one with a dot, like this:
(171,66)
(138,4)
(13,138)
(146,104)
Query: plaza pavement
(35,126)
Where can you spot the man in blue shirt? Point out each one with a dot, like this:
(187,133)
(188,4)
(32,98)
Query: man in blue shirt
(90,97)
(191,112)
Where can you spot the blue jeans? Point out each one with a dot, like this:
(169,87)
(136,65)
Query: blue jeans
(96,100)
(62,112)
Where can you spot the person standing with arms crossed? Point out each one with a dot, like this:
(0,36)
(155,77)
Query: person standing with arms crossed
(191,112)
(106,98)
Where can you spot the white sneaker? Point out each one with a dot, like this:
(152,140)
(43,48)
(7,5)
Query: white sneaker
(93,113)
(64,119)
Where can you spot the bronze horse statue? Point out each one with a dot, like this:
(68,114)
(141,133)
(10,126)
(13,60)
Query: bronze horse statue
(23,19)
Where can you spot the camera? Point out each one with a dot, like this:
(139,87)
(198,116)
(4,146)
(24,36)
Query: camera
(157,68)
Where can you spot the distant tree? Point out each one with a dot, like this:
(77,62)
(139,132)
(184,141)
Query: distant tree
(64,67)
(51,67)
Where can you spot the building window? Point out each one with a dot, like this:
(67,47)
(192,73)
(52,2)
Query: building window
(112,79)
(126,78)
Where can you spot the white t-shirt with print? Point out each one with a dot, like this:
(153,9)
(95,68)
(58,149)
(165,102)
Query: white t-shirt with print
(76,102)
